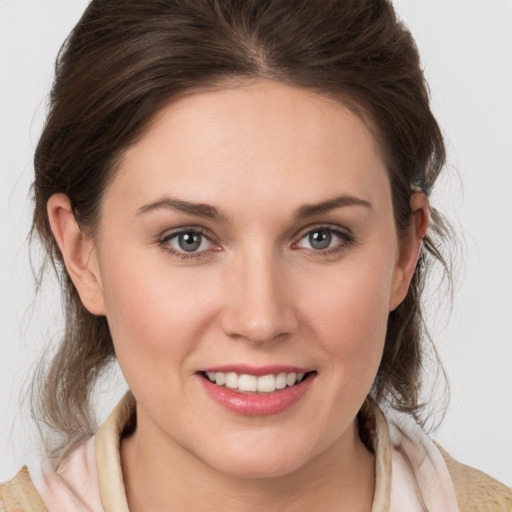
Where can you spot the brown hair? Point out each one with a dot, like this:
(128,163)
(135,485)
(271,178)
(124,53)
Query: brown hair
(126,59)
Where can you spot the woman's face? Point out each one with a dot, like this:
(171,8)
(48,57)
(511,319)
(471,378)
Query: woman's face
(250,232)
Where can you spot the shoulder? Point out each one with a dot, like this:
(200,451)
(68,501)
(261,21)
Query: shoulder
(476,491)
(20,495)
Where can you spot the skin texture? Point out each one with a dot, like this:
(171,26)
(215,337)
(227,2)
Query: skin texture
(256,292)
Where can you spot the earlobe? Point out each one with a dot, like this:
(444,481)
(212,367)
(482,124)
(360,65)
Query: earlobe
(409,249)
(78,252)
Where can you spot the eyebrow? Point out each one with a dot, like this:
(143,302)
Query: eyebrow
(188,207)
(211,212)
(309,210)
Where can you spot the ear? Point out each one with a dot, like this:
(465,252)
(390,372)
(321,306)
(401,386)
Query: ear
(78,252)
(409,249)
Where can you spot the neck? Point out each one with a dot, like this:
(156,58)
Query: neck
(166,476)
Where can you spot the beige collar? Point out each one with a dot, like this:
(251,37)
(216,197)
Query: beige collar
(108,458)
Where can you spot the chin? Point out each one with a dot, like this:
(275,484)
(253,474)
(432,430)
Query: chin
(251,458)
(258,468)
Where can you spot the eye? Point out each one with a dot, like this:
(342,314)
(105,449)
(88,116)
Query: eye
(323,239)
(189,241)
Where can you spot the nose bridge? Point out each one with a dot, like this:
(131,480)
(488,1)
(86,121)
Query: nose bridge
(258,308)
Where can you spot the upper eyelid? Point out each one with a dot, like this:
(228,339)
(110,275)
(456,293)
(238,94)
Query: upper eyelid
(168,234)
(335,228)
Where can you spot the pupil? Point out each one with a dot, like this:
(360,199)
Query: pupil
(320,239)
(189,242)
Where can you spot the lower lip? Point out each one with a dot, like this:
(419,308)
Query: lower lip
(257,404)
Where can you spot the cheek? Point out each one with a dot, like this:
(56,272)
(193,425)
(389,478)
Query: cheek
(348,315)
(352,303)
(154,315)
(354,339)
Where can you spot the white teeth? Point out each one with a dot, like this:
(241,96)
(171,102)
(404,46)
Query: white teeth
(231,380)
(251,383)
(266,384)
(281,381)
(247,383)
(290,379)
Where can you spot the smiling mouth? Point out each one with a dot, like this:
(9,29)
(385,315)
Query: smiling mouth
(244,383)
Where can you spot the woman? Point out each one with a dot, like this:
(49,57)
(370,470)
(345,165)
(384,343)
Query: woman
(237,196)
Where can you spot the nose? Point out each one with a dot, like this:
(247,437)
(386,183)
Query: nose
(258,303)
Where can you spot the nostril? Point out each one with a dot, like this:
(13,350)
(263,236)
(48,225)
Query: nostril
(260,324)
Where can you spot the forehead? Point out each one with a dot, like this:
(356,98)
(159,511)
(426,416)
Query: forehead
(253,140)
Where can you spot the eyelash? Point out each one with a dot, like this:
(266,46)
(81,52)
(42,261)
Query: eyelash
(345,239)
(184,255)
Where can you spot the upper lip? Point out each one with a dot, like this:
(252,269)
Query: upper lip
(257,371)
